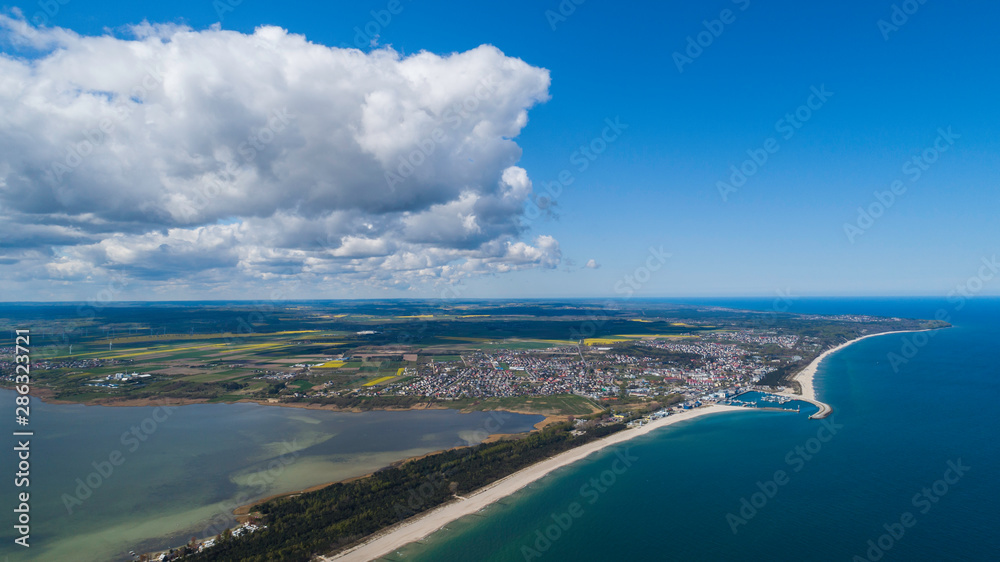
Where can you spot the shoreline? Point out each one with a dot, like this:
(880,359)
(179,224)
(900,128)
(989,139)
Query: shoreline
(424,524)
(244,512)
(397,536)
(47,396)
(807,391)
(419,527)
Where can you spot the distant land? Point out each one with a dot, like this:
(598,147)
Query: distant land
(359,355)
(593,368)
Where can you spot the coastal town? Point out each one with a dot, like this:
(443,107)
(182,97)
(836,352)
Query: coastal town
(596,377)
(686,368)
(642,383)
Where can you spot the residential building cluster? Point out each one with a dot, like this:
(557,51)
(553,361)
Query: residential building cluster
(507,373)
(757,338)
(274,375)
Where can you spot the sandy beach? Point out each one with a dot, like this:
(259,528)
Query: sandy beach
(806,375)
(414,529)
(419,527)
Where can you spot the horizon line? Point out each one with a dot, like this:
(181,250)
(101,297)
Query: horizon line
(476,299)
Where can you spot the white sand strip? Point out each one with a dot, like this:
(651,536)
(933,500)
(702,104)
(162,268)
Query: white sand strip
(418,527)
(806,375)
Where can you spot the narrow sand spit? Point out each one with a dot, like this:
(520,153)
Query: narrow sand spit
(806,375)
(414,529)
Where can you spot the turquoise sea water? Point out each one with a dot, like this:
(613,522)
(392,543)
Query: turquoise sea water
(146,478)
(875,472)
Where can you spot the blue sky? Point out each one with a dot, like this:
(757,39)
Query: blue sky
(656,185)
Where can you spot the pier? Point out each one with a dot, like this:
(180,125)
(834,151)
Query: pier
(824,408)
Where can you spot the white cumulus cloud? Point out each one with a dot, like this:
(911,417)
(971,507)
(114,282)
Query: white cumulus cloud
(179,155)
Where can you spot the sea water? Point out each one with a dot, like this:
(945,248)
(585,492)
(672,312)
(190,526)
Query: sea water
(905,469)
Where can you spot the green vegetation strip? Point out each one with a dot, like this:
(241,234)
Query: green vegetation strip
(337,516)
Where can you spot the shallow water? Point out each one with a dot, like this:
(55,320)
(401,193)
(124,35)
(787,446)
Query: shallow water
(106,480)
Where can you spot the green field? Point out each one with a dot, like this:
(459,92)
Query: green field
(215,377)
(225,351)
(566,404)
(520,345)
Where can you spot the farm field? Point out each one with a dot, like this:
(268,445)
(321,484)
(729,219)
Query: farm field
(347,352)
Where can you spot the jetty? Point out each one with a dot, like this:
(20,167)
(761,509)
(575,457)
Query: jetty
(824,408)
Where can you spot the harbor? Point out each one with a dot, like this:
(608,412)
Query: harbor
(767,401)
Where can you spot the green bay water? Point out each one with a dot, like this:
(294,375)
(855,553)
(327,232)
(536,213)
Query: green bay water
(181,471)
(897,430)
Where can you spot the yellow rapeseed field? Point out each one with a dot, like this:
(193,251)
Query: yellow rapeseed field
(379,380)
